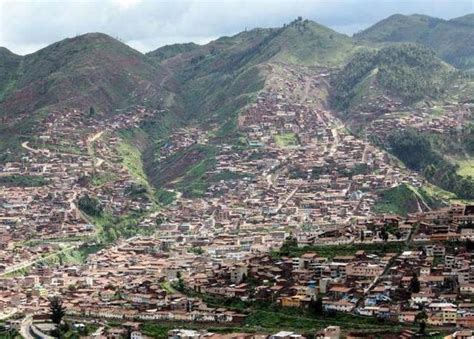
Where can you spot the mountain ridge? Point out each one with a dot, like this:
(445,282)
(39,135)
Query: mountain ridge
(450,39)
(93,69)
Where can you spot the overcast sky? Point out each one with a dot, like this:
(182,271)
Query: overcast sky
(28,25)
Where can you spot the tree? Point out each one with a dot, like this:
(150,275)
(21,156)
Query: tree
(57,310)
(316,306)
(289,243)
(362,236)
(91,111)
(414,284)
(180,285)
(420,319)
(384,235)
(90,205)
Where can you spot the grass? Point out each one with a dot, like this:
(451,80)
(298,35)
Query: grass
(438,192)
(132,141)
(300,321)
(397,200)
(167,287)
(466,167)
(286,139)
(110,228)
(131,158)
(437,111)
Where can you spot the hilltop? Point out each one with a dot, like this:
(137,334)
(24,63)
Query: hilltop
(219,78)
(91,70)
(209,85)
(450,39)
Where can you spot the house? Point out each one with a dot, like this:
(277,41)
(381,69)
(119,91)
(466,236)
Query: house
(286,335)
(330,332)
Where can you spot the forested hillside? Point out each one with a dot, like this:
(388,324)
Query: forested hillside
(407,73)
(452,40)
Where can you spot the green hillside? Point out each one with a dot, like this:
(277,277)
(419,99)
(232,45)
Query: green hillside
(9,64)
(405,72)
(404,199)
(422,152)
(89,70)
(452,40)
(170,51)
(219,78)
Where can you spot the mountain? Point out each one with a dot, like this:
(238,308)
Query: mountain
(452,40)
(405,72)
(210,84)
(89,70)
(9,63)
(170,51)
(219,78)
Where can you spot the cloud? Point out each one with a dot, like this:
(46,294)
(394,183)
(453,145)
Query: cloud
(126,4)
(26,25)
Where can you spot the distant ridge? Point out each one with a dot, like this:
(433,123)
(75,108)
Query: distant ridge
(452,40)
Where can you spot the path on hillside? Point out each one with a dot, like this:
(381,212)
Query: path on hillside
(90,141)
(29,263)
(33,150)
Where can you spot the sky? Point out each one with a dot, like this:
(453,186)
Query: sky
(28,25)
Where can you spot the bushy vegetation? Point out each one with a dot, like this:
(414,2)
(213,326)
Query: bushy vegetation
(408,72)
(165,197)
(417,153)
(90,205)
(22,180)
(450,39)
(290,249)
(413,149)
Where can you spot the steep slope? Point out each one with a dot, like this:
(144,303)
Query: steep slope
(452,40)
(404,73)
(219,78)
(89,70)
(9,63)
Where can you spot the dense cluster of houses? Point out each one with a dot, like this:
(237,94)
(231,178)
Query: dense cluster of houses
(297,174)
(61,167)
(448,119)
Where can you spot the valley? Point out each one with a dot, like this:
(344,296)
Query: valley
(243,182)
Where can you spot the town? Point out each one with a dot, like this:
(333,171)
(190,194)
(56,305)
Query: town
(290,216)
